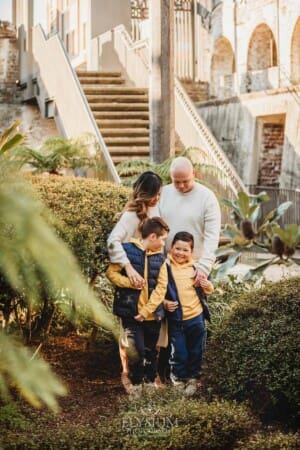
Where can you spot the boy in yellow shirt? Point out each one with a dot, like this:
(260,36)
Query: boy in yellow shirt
(139,308)
(187,330)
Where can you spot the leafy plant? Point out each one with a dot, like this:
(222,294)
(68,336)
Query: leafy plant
(208,174)
(57,154)
(246,236)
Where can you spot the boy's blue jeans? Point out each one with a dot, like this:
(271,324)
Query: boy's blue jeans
(143,336)
(187,339)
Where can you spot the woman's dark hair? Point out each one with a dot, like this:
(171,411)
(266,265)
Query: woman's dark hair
(184,236)
(145,188)
(148,183)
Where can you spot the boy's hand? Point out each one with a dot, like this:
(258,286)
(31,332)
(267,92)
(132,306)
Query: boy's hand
(135,278)
(139,318)
(170,306)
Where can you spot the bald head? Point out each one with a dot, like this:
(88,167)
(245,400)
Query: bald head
(182,174)
(181,164)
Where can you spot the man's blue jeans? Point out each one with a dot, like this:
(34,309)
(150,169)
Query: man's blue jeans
(187,339)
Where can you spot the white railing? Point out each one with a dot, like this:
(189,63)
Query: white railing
(189,126)
(194,132)
(58,81)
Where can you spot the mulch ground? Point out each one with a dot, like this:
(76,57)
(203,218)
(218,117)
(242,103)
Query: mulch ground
(92,377)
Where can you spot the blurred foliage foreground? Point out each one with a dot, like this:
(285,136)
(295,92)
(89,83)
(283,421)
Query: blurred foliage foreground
(38,272)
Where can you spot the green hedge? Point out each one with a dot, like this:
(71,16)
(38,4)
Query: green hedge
(86,211)
(254,352)
(171,424)
(272,441)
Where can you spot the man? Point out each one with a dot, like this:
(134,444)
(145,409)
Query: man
(189,206)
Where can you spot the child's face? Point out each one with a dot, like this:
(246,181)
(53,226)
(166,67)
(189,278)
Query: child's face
(156,243)
(181,252)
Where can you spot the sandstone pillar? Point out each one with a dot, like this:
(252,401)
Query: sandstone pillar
(162,120)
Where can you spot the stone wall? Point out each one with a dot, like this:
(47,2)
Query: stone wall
(9,64)
(36,128)
(238,125)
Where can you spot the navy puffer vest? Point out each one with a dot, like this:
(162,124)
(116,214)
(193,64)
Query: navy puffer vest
(126,299)
(172,294)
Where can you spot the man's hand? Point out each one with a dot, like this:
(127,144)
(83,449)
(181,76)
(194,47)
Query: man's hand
(139,318)
(135,278)
(200,279)
(170,306)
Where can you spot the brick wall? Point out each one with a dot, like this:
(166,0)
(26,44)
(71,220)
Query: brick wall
(271,154)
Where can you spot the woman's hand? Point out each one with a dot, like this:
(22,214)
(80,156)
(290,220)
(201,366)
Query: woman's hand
(135,278)
(200,279)
(170,306)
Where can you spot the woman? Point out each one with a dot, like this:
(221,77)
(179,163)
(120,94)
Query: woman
(142,203)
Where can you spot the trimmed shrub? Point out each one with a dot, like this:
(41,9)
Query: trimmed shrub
(86,211)
(183,423)
(180,424)
(254,352)
(272,441)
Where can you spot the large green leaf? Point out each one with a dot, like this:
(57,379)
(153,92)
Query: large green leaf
(244,203)
(259,269)
(16,140)
(32,377)
(5,136)
(231,231)
(223,268)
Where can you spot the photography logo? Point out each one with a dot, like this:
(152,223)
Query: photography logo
(148,421)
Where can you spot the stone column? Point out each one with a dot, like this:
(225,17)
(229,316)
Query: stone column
(162,117)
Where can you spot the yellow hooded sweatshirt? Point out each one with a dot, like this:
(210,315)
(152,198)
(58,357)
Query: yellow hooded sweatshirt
(146,306)
(183,277)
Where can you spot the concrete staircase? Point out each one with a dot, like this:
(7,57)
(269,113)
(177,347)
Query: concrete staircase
(121,113)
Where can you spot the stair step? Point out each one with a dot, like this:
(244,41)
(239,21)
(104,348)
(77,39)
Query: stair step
(103,80)
(121,115)
(122,123)
(95,73)
(125,132)
(119,107)
(129,151)
(118,159)
(112,90)
(126,141)
(117,98)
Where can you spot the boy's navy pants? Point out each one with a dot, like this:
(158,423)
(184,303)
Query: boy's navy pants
(143,336)
(187,339)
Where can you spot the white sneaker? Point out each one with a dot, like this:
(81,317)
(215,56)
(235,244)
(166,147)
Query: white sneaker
(135,391)
(178,384)
(191,387)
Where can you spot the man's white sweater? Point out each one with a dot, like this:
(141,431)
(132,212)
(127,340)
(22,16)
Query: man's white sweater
(197,212)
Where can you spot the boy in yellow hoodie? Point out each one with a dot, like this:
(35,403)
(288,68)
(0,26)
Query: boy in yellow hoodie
(187,330)
(139,309)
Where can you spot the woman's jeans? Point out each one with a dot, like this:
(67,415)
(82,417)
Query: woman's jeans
(187,339)
(142,336)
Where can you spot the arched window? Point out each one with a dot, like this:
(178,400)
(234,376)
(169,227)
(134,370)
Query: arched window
(295,54)
(222,68)
(262,51)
